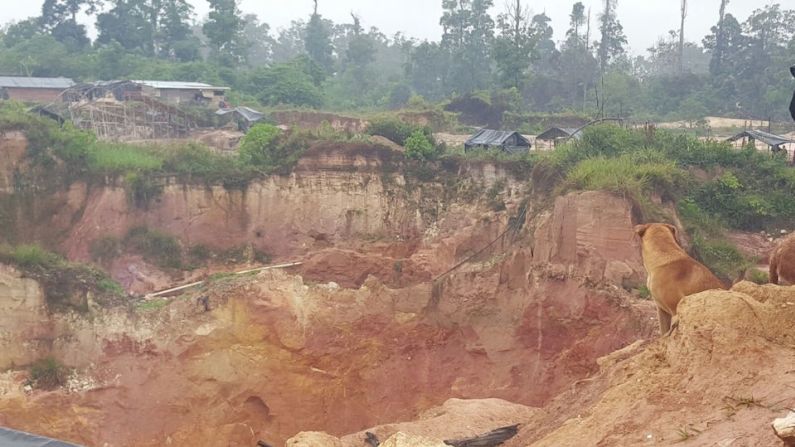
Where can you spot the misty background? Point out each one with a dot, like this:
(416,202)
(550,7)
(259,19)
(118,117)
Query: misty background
(505,59)
(644,20)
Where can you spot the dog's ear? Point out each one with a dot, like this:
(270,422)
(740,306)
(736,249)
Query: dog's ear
(640,230)
(674,232)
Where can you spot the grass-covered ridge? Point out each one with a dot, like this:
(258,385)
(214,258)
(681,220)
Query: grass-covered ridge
(714,186)
(66,153)
(67,285)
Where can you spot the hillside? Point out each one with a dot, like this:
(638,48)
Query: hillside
(469,292)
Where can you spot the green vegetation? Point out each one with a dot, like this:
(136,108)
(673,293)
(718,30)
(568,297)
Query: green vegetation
(715,186)
(48,374)
(419,146)
(66,284)
(397,131)
(166,252)
(505,63)
(158,248)
(64,153)
(152,305)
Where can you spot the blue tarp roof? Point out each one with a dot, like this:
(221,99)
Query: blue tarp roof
(14,438)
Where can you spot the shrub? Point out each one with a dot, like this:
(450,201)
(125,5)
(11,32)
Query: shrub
(758,276)
(160,249)
(105,249)
(199,253)
(48,374)
(259,145)
(65,283)
(397,131)
(419,147)
(142,189)
(708,243)
(31,256)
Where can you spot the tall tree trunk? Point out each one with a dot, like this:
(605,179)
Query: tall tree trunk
(585,54)
(682,38)
(719,37)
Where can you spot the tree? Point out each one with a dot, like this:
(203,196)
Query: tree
(513,45)
(287,83)
(427,69)
(613,39)
(16,33)
(719,46)
(129,23)
(173,36)
(541,34)
(468,32)
(318,42)
(291,42)
(682,38)
(361,49)
(576,20)
(59,18)
(260,50)
(224,31)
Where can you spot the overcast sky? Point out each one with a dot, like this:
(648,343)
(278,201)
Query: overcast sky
(644,20)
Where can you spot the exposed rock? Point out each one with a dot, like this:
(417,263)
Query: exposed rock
(592,231)
(403,440)
(350,269)
(26,329)
(456,419)
(785,428)
(313,439)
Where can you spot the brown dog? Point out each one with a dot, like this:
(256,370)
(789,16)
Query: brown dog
(672,274)
(782,261)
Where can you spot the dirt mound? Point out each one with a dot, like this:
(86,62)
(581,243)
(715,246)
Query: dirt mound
(223,139)
(455,419)
(722,377)
(350,269)
(314,120)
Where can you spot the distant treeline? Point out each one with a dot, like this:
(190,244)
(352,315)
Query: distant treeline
(739,69)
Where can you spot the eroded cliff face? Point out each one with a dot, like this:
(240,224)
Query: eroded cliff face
(26,330)
(357,336)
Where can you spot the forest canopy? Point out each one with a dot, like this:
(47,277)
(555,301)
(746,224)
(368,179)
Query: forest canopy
(739,69)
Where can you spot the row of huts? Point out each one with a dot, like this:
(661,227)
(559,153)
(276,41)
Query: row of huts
(103,106)
(56,90)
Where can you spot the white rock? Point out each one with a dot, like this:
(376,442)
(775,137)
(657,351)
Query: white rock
(785,428)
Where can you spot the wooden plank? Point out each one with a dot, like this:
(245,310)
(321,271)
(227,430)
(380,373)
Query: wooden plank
(198,283)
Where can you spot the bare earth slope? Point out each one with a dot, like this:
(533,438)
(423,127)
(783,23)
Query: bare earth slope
(720,380)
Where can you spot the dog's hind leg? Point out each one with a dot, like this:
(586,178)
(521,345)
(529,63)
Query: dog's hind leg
(665,320)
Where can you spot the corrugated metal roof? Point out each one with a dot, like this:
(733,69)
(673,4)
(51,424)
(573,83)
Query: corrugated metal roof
(13,438)
(488,137)
(765,137)
(179,85)
(26,82)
